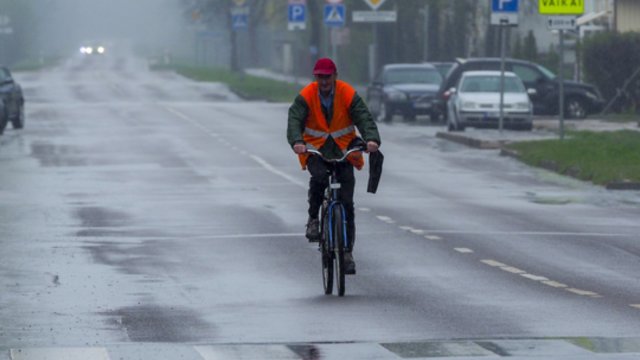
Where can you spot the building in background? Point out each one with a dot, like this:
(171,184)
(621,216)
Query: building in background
(626,15)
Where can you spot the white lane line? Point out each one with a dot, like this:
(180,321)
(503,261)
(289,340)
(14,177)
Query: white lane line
(637,306)
(195,123)
(433,237)
(534,277)
(386,219)
(555,284)
(512,270)
(60,354)
(364,209)
(256,158)
(492,263)
(463,250)
(275,171)
(418,231)
(529,233)
(406,228)
(583,292)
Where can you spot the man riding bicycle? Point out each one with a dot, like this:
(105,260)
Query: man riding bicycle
(324,117)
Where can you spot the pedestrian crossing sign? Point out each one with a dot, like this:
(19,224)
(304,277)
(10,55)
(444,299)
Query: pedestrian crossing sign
(334,15)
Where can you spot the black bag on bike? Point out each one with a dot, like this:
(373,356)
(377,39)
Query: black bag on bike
(375,171)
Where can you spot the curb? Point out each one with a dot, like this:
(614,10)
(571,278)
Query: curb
(469,141)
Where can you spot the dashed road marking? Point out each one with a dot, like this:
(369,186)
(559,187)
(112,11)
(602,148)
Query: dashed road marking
(512,270)
(433,237)
(386,219)
(463,250)
(534,277)
(417,231)
(583,292)
(541,279)
(637,306)
(406,228)
(554,284)
(364,209)
(493,263)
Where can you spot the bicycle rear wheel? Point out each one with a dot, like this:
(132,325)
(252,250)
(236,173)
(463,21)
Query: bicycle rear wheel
(339,242)
(327,256)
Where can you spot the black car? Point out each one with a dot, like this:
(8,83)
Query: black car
(580,99)
(404,89)
(13,101)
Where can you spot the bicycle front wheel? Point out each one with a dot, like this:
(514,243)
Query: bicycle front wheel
(327,256)
(339,237)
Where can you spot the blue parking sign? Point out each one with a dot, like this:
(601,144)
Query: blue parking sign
(297,12)
(504,6)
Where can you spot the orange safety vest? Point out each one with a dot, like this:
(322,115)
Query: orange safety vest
(342,130)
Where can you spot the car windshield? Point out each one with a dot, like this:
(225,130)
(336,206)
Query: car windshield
(491,83)
(412,76)
(548,73)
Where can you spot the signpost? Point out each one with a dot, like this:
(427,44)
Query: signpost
(374,17)
(503,13)
(560,9)
(297,15)
(240,17)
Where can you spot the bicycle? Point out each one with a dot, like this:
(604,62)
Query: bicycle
(333,228)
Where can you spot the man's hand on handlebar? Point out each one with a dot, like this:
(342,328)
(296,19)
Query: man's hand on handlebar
(372,146)
(299,148)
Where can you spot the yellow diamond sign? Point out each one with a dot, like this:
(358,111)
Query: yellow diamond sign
(374,4)
(561,7)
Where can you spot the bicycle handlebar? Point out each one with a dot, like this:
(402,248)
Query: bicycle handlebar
(343,158)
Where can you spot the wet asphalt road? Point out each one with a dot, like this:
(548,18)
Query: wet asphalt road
(141,207)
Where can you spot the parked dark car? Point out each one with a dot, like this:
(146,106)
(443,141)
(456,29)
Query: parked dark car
(13,101)
(404,89)
(543,87)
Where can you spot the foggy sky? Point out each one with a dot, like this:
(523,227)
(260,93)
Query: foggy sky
(65,24)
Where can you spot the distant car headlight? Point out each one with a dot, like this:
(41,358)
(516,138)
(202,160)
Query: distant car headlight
(88,50)
(469,105)
(101,50)
(397,96)
(522,106)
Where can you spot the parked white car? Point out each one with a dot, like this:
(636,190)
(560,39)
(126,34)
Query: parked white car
(475,101)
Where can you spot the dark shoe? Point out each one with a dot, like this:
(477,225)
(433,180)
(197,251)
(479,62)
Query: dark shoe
(349,264)
(313,230)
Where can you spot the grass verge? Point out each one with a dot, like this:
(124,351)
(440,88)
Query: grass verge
(246,86)
(34,64)
(599,157)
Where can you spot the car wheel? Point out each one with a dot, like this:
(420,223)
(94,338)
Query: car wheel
(575,108)
(4,119)
(384,114)
(18,121)
(452,121)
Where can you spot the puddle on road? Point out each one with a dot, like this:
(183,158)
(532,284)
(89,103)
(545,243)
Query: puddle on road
(99,217)
(161,324)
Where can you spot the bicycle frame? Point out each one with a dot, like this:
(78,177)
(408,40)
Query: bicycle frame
(332,233)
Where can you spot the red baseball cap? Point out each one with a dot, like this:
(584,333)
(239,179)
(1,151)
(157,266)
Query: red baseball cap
(324,66)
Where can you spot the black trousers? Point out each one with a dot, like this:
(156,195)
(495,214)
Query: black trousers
(319,182)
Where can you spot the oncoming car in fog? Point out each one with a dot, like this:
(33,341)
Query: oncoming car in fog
(475,101)
(94,49)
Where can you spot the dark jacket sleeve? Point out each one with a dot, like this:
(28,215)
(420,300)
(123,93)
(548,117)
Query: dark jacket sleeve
(361,117)
(298,112)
